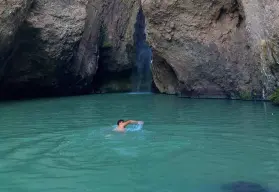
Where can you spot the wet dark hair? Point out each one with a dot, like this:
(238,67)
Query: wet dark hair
(119,121)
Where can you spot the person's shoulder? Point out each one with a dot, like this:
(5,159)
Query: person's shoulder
(118,129)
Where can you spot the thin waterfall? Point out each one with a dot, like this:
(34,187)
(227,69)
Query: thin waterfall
(142,77)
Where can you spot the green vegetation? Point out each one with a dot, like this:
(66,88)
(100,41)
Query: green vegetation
(245,95)
(270,56)
(106,44)
(275,97)
(103,40)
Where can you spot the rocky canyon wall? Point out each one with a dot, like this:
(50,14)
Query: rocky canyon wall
(43,49)
(262,24)
(214,48)
(219,48)
(116,45)
(55,47)
(12,15)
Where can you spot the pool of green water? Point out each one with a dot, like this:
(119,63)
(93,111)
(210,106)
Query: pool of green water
(67,144)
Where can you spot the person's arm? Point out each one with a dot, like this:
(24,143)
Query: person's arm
(130,122)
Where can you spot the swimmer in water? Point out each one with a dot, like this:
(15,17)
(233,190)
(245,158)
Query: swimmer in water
(121,124)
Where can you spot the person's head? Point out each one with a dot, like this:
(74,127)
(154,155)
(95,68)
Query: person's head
(120,121)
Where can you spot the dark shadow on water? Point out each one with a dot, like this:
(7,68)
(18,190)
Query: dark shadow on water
(244,186)
(141,93)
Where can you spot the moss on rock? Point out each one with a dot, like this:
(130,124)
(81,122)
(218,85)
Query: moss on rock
(275,97)
(245,95)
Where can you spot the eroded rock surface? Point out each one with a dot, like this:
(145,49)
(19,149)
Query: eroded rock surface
(46,43)
(61,45)
(117,49)
(12,14)
(208,47)
(220,48)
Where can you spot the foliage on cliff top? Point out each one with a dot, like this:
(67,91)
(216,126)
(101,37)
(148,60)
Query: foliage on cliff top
(275,97)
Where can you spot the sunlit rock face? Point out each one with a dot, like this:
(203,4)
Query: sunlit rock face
(213,48)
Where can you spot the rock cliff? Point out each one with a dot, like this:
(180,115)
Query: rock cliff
(213,48)
(117,49)
(220,48)
(55,47)
(12,14)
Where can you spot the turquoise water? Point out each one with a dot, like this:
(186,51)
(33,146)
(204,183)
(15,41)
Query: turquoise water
(67,144)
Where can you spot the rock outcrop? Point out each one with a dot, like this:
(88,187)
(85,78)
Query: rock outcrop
(57,46)
(42,63)
(262,24)
(12,14)
(212,48)
(117,49)
(220,48)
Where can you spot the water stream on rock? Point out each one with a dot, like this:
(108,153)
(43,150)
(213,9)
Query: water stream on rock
(141,77)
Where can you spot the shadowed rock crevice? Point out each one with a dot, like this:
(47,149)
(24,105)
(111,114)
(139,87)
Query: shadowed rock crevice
(42,64)
(116,73)
(30,74)
(12,14)
(164,76)
(231,9)
(116,46)
(107,79)
(17,79)
(112,82)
